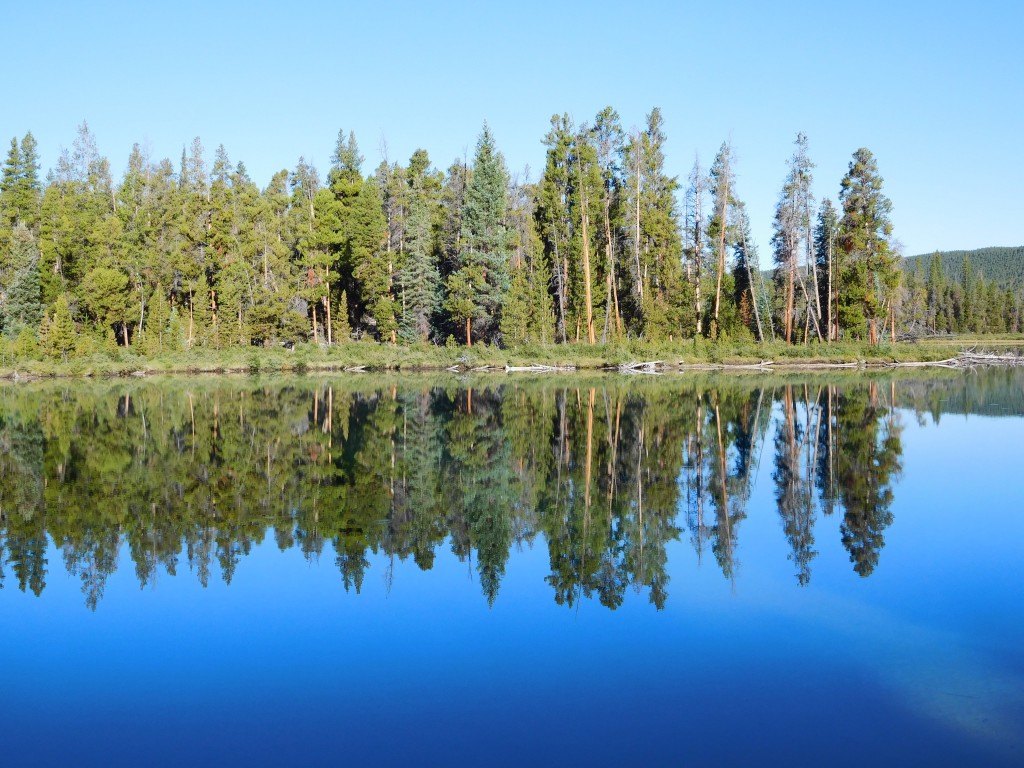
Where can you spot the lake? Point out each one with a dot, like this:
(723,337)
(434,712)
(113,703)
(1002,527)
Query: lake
(799,569)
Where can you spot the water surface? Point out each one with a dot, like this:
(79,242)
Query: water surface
(513,570)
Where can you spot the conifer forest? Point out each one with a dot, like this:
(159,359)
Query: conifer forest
(603,246)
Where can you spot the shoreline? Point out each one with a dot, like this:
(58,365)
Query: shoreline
(628,359)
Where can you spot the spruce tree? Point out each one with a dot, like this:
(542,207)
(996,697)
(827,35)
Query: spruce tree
(481,279)
(418,277)
(24,307)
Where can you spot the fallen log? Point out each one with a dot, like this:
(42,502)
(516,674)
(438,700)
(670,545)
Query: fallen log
(538,368)
(647,366)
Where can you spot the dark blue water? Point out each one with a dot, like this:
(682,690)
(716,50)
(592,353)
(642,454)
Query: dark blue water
(726,641)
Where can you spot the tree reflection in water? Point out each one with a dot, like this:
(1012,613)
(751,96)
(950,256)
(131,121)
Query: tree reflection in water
(605,472)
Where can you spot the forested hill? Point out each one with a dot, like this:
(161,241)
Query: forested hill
(1003,266)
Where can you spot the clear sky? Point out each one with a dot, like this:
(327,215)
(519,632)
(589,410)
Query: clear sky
(935,90)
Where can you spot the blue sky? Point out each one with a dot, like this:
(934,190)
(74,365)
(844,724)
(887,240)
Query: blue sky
(934,89)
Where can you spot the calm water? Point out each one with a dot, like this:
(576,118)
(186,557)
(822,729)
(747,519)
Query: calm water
(505,571)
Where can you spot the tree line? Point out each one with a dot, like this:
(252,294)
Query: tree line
(605,474)
(605,245)
(958,300)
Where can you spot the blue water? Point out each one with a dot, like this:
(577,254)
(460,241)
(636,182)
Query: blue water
(919,663)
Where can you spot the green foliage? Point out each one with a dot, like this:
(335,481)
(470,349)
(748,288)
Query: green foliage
(608,475)
(592,251)
(59,338)
(477,289)
(1003,266)
(23,308)
(868,268)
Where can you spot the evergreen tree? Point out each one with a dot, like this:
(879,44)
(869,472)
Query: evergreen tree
(721,226)
(748,287)
(342,331)
(372,265)
(527,315)
(19,185)
(662,293)
(870,269)
(60,335)
(478,286)
(825,250)
(23,308)
(936,286)
(792,238)
(418,277)
(552,214)
(609,144)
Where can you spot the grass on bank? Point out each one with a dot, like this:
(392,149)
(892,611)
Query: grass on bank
(373,356)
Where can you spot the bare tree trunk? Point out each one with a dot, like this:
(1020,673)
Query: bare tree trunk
(698,192)
(213,306)
(590,446)
(810,315)
(560,284)
(636,228)
(750,282)
(812,260)
(832,336)
(610,255)
(587,292)
(469,339)
(327,309)
(724,217)
(790,290)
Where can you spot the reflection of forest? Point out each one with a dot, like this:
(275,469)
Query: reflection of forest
(607,470)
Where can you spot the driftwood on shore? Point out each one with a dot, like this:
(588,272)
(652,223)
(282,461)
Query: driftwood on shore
(966,359)
(648,366)
(537,368)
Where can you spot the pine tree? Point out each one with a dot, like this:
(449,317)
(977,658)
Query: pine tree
(936,285)
(748,288)
(372,265)
(825,248)
(23,308)
(870,270)
(60,334)
(481,279)
(721,224)
(516,312)
(418,276)
(155,329)
(342,328)
(553,215)
(791,238)
(528,313)
(660,288)
(695,247)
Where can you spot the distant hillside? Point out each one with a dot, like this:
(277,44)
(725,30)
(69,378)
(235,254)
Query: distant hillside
(1003,265)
